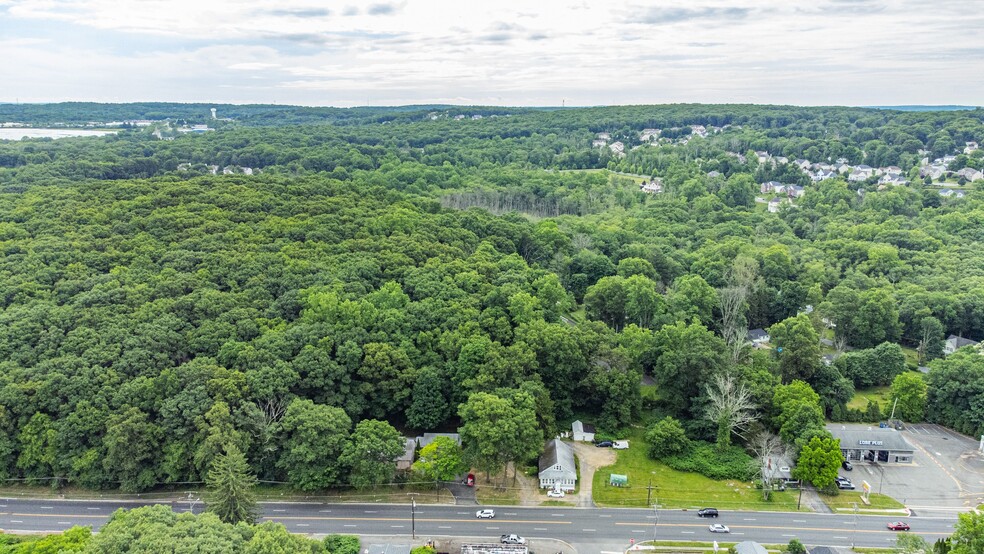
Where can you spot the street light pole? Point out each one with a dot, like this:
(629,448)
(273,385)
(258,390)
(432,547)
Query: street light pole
(413,518)
(855,532)
(656,522)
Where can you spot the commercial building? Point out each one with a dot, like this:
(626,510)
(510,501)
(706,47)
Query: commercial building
(873,444)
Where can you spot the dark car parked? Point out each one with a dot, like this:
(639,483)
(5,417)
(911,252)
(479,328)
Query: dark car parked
(847,465)
(707,512)
(604,444)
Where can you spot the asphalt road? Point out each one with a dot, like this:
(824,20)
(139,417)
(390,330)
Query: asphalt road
(605,527)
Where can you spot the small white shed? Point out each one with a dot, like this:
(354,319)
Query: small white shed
(582,431)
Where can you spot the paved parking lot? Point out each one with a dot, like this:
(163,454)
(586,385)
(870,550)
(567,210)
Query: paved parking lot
(947,474)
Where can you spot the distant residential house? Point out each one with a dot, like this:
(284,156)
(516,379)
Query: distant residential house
(970,174)
(763,156)
(857,176)
(947,160)
(803,164)
(775,203)
(427,438)
(841,168)
(698,130)
(822,175)
(757,336)
(714,173)
(603,136)
(405,460)
(769,186)
(954,343)
(652,187)
(599,143)
(827,359)
(583,432)
(782,159)
(557,470)
(795,191)
(617,148)
(970,147)
(649,134)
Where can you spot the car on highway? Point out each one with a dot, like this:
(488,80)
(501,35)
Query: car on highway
(554,493)
(898,526)
(604,444)
(718,528)
(512,539)
(707,512)
(485,514)
(847,465)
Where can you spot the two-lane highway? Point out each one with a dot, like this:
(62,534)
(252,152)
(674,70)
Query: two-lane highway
(577,525)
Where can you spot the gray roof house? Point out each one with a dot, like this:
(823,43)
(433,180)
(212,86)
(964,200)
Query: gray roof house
(427,438)
(954,343)
(750,547)
(405,460)
(757,336)
(557,469)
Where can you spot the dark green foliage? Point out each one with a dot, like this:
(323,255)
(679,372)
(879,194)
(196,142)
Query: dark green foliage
(230,487)
(342,544)
(149,314)
(731,462)
(795,547)
(667,438)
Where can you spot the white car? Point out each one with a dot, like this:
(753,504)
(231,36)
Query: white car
(485,514)
(554,493)
(718,528)
(620,445)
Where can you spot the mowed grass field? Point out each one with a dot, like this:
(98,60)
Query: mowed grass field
(676,489)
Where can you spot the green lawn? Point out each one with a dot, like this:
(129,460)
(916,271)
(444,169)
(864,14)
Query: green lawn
(882,395)
(676,489)
(847,499)
(703,547)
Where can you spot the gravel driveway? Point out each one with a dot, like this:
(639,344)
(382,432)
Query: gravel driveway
(590,458)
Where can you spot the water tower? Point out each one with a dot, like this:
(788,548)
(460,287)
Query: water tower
(213,113)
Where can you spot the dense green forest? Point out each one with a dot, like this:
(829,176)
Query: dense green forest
(404,269)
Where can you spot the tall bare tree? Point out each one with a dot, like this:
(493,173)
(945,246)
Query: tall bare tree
(733,298)
(769,452)
(730,407)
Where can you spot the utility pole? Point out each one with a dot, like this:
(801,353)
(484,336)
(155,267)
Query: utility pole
(413,515)
(649,491)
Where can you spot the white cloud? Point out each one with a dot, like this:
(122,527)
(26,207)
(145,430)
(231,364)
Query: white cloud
(510,51)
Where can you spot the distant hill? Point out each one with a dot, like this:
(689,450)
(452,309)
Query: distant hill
(921,108)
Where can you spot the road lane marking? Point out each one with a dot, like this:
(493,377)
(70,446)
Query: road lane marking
(590,530)
(279,510)
(372,511)
(88,508)
(637,531)
(449,527)
(47,507)
(396,526)
(687,532)
(403,519)
(799,521)
(59,515)
(324,511)
(16,521)
(64,523)
(841,538)
(737,533)
(604,515)
(347,525)
(509,513)
(301,525)
(492,528)
(557,515)
(815,529)
(539,528)
(750,519)
(789,535)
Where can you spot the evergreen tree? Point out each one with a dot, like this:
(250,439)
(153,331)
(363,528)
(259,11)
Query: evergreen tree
(230,487)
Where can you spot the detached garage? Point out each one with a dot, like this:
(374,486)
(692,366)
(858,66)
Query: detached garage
(873,444)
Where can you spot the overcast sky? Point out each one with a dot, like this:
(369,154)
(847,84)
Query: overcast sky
(493,52)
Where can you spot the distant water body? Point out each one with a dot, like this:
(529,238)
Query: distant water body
(18,133)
